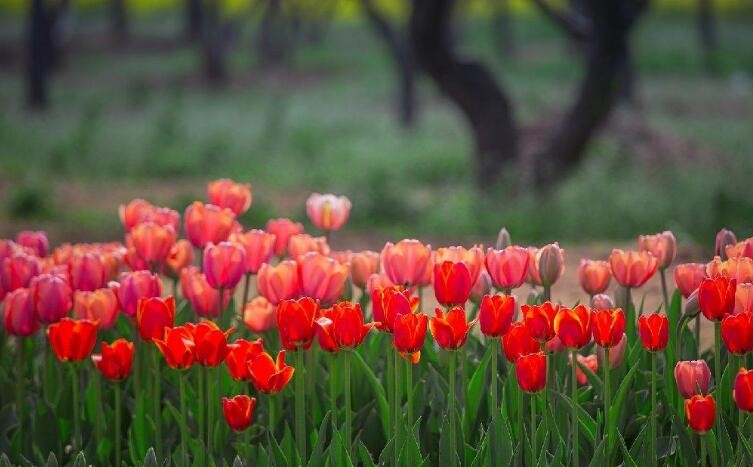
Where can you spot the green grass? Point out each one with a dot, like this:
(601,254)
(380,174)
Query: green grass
(327,124)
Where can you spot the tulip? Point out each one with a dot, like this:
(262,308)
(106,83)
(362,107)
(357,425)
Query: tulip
(180,257)
(210,343)
(280,282)
(692,376)
(554,345)
(328,212)
(531,372)
(295,322)
(225,193)
(258,246)
(207,223)
(602,302)
(224,265)
(322,278)
(52,297)
(18,313)
(100,306)
(300,244)
(134,212)
(153,316)
(742,249)
(654,331)
(608,326)
(482,287)
(573,326)
(362,266)
(133,286)
(737,333)
(716,297)
(87,272)
(539,319)
(688,277)
(594,276)
(473,258)
(518,342)
(267,375)
(72,340)
(343,326)
(737,268)
(591,362)
(724,238)
(164,217)
(742,392)
(378,281)
(259,315)
(17,271)
(547,266)
(135,262)
(409,333)
(632,268)
(503,239)
(744,298)
(700,412)
(452,283)
(495,314)
(36,240)
(152,242)
(408,262)
(662,245)
(450,329)
(390,302)
(283,229)
(616,353)
(508,267)
(239,353)
(115,360)
(177,347)
(238,411)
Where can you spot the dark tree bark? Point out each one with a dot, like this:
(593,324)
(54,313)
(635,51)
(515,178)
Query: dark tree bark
(273,36)
(39,50)
(194,14)
(213,46)
(118,22)
(469,85)
(399,49)
(503,27)
(707,33)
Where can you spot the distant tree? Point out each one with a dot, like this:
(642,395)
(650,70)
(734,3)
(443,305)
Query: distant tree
(194,14)
(274,36)
(118,22)
(40,50)
(707,34)
(213,44)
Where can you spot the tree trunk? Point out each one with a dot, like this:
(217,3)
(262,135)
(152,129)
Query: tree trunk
(38,49)
(707,33)
(469,85)
(400,51)
(502,27)
(193,20)
(118,23)
(271,42)
(213,46)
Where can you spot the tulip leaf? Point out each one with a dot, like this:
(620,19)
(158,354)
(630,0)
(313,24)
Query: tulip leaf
(599,455)
(592,378)
(150,460)
(140,425)
(638,443)
(315,459)
(80,460)
(742,437)
(277,454)
(237,462)
(617,404)
(587,424)
(687,450)
(726,443)
(52,461)
(476,389)
(376,386)
(626,457)
(365,456)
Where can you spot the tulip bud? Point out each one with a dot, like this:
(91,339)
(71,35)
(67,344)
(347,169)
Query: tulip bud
(724,238)
(662,245)
(742,392)
(259,315)
(551,264)
(692,307)
(503,239)
(603,301)
(238,411)
(692,377)
(482,287)
(37,241)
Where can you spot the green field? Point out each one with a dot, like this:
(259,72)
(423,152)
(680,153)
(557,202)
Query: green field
(141,124)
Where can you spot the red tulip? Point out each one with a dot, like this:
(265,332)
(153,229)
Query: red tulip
(153,315)
(267,375)
(452,283)
(225,193)
(18,315)
(407,263)
(224,265)
(207,223)
(389,303)
(508,267)
(259,315)
(133,286)
(539,320)
(328,212)
(36,240)
(716,297)
(594,276)
(691,377)
(280,282)
(409,334)
(742,392)
(688,277)
(239,354)
(300,244)
(100,306)
(608,326)
(295,322)
(662,245)
(473,258)
(531,372)
(322,278)
(450,329)
(632,268)
(573,326)
(495,314)
(180,257)
(343,325)
(737,333)
(17,271)
(177,347)
(362,266)
(591,362)
(700,412)
(87,272)
(238,411)
(258,246)
(518,341)
(152,242)
(52,297)
(283,229)
(115,360)
(72,340)
(210,342)
(654,331)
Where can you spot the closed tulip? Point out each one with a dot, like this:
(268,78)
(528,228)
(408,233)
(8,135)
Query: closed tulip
(152,242)
(239,354)
(52,297)
(530,371)
(390,302)
(608,326)
(18,313)
(518,341)
(177,346)
(225,193)
(268,375)
(450,329)
(300,244)
(115,360)
(724,238)
(88,272)
(744,298)
(328,212)
(134,212)
(238,411)
(692,377)
(601,302)
(72,340)
(742,392)
(207,223)
(452,283)
(295,322)
(153,316)
(654,331)
(688,277)
(408,262)
(180,257)
(662,245)
(554,345)
(737,333)
(17,271)
(258,246)
(716,297)
(508,267)
(482,287)
(547,265)
(632,268)
(573,326)
(210,343)
(700,412)
(591,362)
(362,265)
(133,286)
(36,240)
(495,314)
(343,325)
(539,319)
(409,334)
(280,282)
(322,278)
(259,315)
(283,229)
(594,276)
(100,306)
(473,258)
(224,265)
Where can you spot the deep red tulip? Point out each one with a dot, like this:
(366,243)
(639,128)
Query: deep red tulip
(495,314)
(295,322)
(259,315)
(18,313)
(238,411)
(688,277)
(152,242)
(691,377)
(473,258)
(177,347)
(17,271)
(328,212)
(52,297)
(72,340)
(224,265)
(389,303)
(654,331)
(225,193)
(518,341)
(258,246)
(408,262)
(662,245)
(179,258)
(100,305)
(267,375)
(153,315)
(344,325)
(239,354)
(539,320)
(594,276)
(409,333)
(283,229)
(573,326)
(207,223)
(210,342)
(322,278)
(608,326)
(508,267)
(450,329)
(133,286)
(115,360)
(632,268)
(452,283)
(531,372)
(36,240)
(280,282)
(742,392)
(737,333)
(716,297)
(700,412)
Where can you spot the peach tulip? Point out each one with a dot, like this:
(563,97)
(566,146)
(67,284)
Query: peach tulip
(207,223)
(662,245)
(280,282)
(688,277)
(546,265)
(632,268)
(152,242)
(738,268)
(408,262)
(737,250)
(300,244)
(283,229)
(134,212)
(225,193)
(594,276)
(259,315)
(180,256)
(322,278)
(508,267)
(100,305)
(744,298)
(362,266)
(472,257)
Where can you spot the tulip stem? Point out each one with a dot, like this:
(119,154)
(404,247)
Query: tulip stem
(398,406)
(272,421)
(451,407)
(409,391)
(574,414)
(390,390)
(333,379)
(662,275)
(494,349)
(246,285)
(697,335)
(118,423)
(653,409)
(209,386)
(202,406)
(156,401)
(300,405)
(76,408)
(547,293)
(183,425)
(20,376)
(607,396)
(702,442)
(533,428)
(521,440)
(221,307)
(348,414)
(718,376)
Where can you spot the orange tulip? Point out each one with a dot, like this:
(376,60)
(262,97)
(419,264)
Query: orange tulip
(518,341)
(258,246)
(300,244)
(508,267)
(295,322)
(744,298)
(594,276)
(18,313)
(100,306)
(133,286)
(225,193)
(700,412)
(259,315)
(36,240)
(742,392)
(52,297)
(180,257)
(409,335)
(737,333)
(224,265)
(662,245)
(267,375)
(283,229)
(362,266)
(573,326)
(738,250)
(239,354)
(692,377)
(152,242)
(17,271)
(390,302)
(280,282)
(177,347)
(716,297)
(495,314)
(724,238)
(688,277)
(322,278)
(632,268)
(546,264)
(87,272)
(473,258)
(115,360)
(539,319)
(238,411)
(452,283)
(210,342)
(530,371)
(608,326)
(343,325)
(450,329)
(207,223)
(737,268)
(153,315)
(591,362)
(654,331)
(133,213)
(407,263)
(328,212)
(72,340)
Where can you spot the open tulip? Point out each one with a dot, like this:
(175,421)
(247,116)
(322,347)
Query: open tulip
(700,412)
(207,223)
(390,302)
(52,297)
(268,375)
(608,326)
(724,238)
(452,283)
(594,276)
(100,305)
(153,316)
(328,212)
(473,258)
(362,265)
(133,286)
(72,340)
(591,362)
(737,250)
(508,267)
(654,331)
(295,322)
(18,313)
(737,333)
(692,377)
(258,246)
(36,240)
(322,278)
(300,244)
(688,277)
(450,329)
(662,245)
(539,320)
(210,343)
(573,326)
(224,265)
(259,315)
(177,347)
(632,268)
(409,334)
(495,314)
(152,242)
(280,282)
(225,193)
(238,411)
(17,271)
(742,392)
(716,297)
(408,262)
(239,353)
(283,229)
(530,371)
(115,360)
(179,258)
(344,325)
(518,341)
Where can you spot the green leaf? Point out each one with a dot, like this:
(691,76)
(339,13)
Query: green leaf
(626,457)
(599,457)
(316,454)
(673,314)
(139,424)
(477,388)
(446,455)
(593,378)
(588,425)
(278,455)
(237,462)
(80,460)
(52,461)
(687,451)
(742,438)
(616,408)
(376,386)
(150,460)
(638,443)
(364,455)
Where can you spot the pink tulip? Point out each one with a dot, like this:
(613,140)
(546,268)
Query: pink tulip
(134,286)
(280,282)
(322,278)
(52,297)
(36,240)
(18,270)
(692,377)
(19,318)
(87,272)
(207,223)
(508,267)
(202,297)
(258,246)
(283,229)
(408,263)
(224,265)
(328,212)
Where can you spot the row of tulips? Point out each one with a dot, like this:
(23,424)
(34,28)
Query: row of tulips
(572,388)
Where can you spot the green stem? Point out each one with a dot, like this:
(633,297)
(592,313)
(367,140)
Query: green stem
(221,308)
(533,428)
(607,395)
(183,412)
(202,406)
(547,293)
(348,413)
(398,401)
(272,420)
(390,390)
(574,415)
(118,423)
(718,377)
(98,425)
(300,405)
(697,334)
(210,400)
(157,401)
(662,275)
(653,409)
(333,379)
(494,408)
(451,406)
(702,442)
(521,430)
(409,391)
(76,409)
(246,284)
(20,377)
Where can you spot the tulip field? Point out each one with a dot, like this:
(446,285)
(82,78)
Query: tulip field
(200,341)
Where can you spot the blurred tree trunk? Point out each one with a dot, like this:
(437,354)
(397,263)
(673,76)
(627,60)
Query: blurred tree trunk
(707,34)
(502,27)
(273,36)
(193,20)
(39,52)
(402,56)
(118,22)
(469,85)
(213,45)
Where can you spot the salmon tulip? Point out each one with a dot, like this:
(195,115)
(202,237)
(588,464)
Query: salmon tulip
(100,306)
(88,272)
(740,269)
(608,326)
(737,250)
(573,326)
(409,334)
(300,244)
(452,283)
(52,297)
(153,316)
(18,313)
(207,223)
(450,329)
(258,246)
(72,340)
(283,229)
(239,353)
(295,322)
(632,268)
(134,212)
(518,341)
(259,315)
(180,257)
(225,193)
(280,282)
(177,347)
(539,319)
(17,271)
(473,258)
(744,298)
(408,262)
(594,276)
(362,265)
(378,281)
(737,333)
(508,267)
(328,212)
(654,331)
(152,242)
(742,392)
(692,377)
(688,277)
(268,375)
(530,371)
(495,314)
(700,412)
(322,278)
(390,302)
(662,245)
(133,286)
(238,411)
(36,240)
(115,360)
(343,325)
(716,297)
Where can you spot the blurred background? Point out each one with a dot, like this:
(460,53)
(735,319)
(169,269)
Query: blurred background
(570,120)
